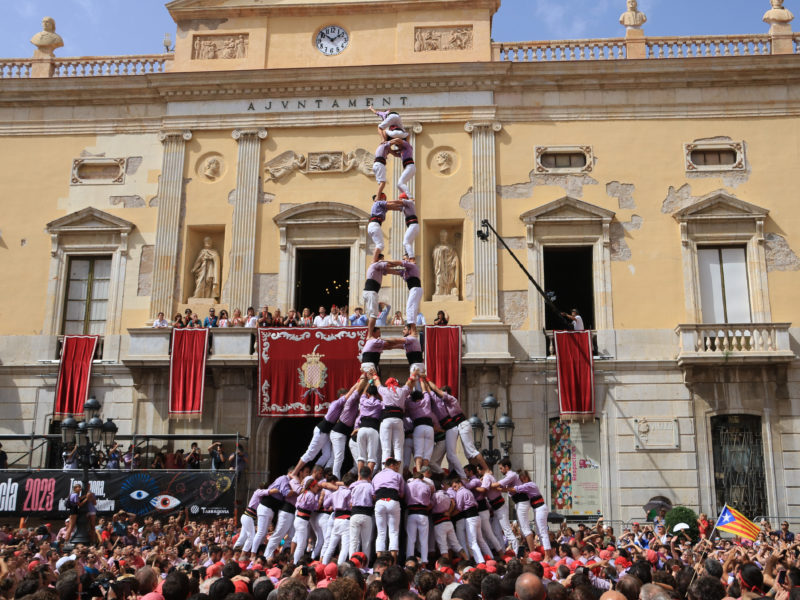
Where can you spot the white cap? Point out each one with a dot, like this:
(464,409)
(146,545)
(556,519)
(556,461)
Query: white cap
(64,559)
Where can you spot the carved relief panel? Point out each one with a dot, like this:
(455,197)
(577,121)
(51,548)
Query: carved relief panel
(220,47)
(98,171)
(436,39)
(288,162)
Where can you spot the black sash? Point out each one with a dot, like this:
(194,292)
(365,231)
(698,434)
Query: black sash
(497,502)
(370,422)
(415,356)
(537,501)
(469,513)
(413,282)
(387,494)
(371,357)
(520,497)
(423,421)
(270,502)
(407,161)
(325,426)
(459,418)
(417,509)
(363,510)
(343,428)
(249,512)
(392,412)
(303,514)
(380,159)
(376,219)
(411,219)
(439,518)
(447,423)
(371,285)
(341,514)
(483,505)
(439,436)
(287,507)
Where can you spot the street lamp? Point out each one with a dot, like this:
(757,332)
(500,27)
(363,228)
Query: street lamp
(87,435)
(505,429)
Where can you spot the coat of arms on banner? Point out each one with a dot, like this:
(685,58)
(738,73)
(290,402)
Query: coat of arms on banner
(313,374)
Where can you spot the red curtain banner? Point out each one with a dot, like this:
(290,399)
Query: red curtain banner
(301,369)
(443,355)
(187,372)
(575,373)
(74,373)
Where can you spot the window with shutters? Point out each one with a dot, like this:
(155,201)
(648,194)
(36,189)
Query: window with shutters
(724,293)
(86,301)
(563,159)
(714,156)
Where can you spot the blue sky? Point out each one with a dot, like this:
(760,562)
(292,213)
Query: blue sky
(107,27)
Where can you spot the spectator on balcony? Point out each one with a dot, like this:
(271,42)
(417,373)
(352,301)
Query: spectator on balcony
(132,459)
(292,319)
(277,318)
(442,318)
(358,318)
(575,317)
(70,457)
(211,320)
(785,535)
(251,320)
(159,461)
(338,318)
(322,319)
(384,314)
(194,458)
(265,318)
(238,461)
(216,455)
(194,322)
(178,322)
(3,458)
(160,321)
(306,320)
(113,457)
(398,319)
(224,321)
(238,319)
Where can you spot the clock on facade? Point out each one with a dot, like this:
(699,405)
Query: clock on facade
(332,40)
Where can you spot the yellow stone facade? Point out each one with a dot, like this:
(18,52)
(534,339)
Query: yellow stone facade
(117,166)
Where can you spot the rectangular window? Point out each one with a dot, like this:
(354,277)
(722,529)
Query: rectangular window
(86,301)
(724,293)
(568,278)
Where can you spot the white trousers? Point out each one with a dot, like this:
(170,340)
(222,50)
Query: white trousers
(408,450)
(524,517)
(320,442)
(392,438)
(328,532)
(376,233)
(380,172)
(338,444)
(319,523)
(392,120)
(423,442)
(405,177)
(282,527)
(465,433)
(486,531)
(412,231)
(369,443)
(340,537)
(450,441)
(245,541)
(412,304)
(417,530)
(502,520)
(264,516)
(354,452)
(540,516)
(387,516)
(301,527)
(360,534)
(472,530)
(446,538)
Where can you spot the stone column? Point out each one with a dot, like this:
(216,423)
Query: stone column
(170,200)
(398,294)
(245,208)
(484,190)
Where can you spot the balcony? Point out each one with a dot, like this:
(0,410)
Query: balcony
(733,343)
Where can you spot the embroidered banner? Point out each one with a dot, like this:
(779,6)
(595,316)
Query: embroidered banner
(74,373)
(443,356)
(301,369)
(575,373)
(187,372)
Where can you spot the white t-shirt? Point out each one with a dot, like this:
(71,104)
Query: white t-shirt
(159,323)
(320,321)
(251,322)
(577,324)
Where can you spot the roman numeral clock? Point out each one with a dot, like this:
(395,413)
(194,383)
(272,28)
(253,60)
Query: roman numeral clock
(332,40)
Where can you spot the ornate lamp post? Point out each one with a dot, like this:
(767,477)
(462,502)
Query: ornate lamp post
(505,429)
(87,434)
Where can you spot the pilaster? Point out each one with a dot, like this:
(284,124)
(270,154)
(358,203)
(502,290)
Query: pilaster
(398,293)
(245,209)
(170,199)
(484,189)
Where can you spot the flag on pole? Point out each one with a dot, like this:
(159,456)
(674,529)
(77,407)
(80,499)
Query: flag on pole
(734,522)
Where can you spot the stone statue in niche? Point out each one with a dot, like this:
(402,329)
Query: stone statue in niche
(444,161)
(778,14)
(445,267)
(206,270)
(284,164)
(212,169)
(633,18)
(433,39)
(47,40)
(214,47)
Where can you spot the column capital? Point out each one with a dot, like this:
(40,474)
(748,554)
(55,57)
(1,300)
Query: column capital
(471,126)
(171,133)
(239,133)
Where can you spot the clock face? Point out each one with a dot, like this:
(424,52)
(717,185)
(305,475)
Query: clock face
(332,40)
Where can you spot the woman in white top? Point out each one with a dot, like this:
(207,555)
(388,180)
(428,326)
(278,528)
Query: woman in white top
(238,320)
(252,319)
(224,321)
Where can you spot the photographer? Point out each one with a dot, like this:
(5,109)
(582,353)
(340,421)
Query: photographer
(194,458)
(217,456)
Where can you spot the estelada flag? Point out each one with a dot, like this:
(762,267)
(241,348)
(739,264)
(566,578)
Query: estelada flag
(734,522)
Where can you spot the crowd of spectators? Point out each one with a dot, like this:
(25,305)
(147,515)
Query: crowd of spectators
(114,458)
(177,559)
(336,317)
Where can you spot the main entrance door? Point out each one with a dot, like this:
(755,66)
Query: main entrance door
(322,278)
(739,464)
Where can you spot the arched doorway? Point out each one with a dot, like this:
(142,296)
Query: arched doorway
(287,441)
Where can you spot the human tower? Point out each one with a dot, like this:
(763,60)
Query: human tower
(398,436)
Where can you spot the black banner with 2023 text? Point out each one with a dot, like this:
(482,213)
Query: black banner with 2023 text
(45,493)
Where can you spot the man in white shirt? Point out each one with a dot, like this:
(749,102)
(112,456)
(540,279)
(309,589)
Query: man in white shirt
(385,308)
(322,319)
(575,317)
(160,321)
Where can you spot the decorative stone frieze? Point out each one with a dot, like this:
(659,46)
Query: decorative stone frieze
(436,39)
(220,47)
